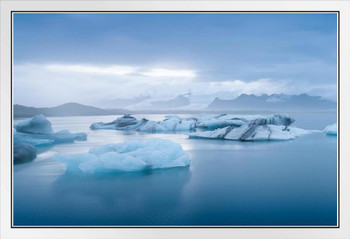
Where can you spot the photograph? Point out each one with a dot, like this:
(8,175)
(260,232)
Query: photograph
(175,119)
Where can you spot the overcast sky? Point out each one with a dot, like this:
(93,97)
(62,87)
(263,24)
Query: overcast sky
(90,58)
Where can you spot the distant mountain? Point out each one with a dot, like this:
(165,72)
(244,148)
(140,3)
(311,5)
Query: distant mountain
(176,103)
(179,101)
(68,109)
(272,102)
(121,103)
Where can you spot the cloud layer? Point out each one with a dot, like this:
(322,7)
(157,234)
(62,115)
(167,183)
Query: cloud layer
(93,58)
(54,84)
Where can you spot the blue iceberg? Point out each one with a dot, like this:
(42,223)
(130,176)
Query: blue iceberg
(224,126)
(129,156)
(253,132)
(331,130)
(36,132)
(23,153)
(36,125)
(202,122)
(127,122)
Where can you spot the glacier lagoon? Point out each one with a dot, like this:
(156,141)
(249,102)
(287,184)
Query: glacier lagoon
(228,183)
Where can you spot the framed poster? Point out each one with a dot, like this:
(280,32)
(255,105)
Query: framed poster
(153,119)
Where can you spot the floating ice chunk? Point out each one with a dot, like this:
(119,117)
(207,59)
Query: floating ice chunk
(23,153)
(35,132)
(127,157)
(100,125)
(36,125)
(80,136)
(173,123)
(33,139)
(252,132)
(38,131)
(331,129)
(63,136)
(125,121)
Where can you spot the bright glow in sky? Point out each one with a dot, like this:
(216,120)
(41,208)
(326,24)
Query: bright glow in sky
(93,58)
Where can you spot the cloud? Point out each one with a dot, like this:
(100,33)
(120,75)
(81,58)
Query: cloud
(121,70)
(88,69)
(260,86)
(160,72)
(54,84)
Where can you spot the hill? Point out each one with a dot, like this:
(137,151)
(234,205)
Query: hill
(68,109)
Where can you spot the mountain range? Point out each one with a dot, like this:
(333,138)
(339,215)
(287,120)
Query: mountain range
(179,104)
(279,102)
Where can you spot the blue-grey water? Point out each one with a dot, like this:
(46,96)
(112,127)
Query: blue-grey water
(286,183)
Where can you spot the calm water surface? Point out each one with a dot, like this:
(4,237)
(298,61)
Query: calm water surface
(228,183)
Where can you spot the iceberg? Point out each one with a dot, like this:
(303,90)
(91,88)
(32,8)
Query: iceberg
(62,136)
(80,136)
(127,122)
(252,132)
(36,125)
(129,156)
(224,126)
(331,129)
(36,132)
(32,139)
(23,153)
(202,122)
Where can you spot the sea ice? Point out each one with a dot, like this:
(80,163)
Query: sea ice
(202,122)
(127,157)
(23,153)
(224,126)
(331,129)
(63,136)
(80,136)
(127,122)
(38,131)
(36,125)
(33,139)
(252,132)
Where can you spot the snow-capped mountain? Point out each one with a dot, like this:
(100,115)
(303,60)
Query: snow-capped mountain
(273,102)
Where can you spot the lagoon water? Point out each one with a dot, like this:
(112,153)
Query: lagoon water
(229,183)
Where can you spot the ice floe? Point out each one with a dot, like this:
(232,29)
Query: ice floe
(252,132)
(36,132)
(36,125)
(127,122)
(202,122)
(23,153)
(224,126)
(331,129)
(129,156)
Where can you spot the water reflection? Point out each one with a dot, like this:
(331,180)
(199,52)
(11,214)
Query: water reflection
(126,198)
